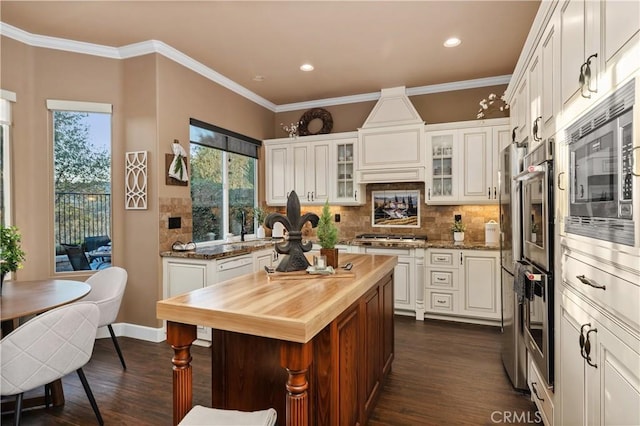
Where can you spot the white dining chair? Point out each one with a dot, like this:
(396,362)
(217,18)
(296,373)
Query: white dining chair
(47,348)
(204,416)
(107,289)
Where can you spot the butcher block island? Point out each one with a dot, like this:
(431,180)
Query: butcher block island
(316,349)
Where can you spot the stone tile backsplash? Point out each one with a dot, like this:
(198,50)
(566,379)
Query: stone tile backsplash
(175,207)
(435,221)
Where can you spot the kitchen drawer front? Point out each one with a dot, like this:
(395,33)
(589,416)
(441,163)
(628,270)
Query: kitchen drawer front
(540,394)
(441,301)
(388,251)
(620,297)
(441,258)
(442,278)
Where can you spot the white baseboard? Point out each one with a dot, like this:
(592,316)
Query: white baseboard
(135,331)
(140,332)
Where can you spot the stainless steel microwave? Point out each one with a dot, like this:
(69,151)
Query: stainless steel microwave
(601,170)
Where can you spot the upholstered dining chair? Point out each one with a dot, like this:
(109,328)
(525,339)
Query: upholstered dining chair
(47,348)
(199,416)
(107,289)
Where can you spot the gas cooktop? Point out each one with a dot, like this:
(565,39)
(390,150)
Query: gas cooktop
(391,237)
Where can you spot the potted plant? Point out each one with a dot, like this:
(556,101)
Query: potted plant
(11,254)
(260,214)
(534,232)
(328,236)
(458,229)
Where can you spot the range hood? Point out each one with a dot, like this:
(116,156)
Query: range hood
(392,141)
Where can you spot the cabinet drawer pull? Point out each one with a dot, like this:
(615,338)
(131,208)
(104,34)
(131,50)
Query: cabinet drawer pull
(535,391)
(559,187)
(441,259)
(440,301)
(441,279)
(587,348)
(587,281)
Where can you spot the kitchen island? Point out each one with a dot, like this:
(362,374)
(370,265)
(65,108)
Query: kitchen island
(316,349)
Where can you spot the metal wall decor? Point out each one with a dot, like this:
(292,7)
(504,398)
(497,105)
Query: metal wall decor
(313,114)
(135,180)
(293,247)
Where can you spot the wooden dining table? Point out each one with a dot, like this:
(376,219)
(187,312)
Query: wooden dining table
(21,299)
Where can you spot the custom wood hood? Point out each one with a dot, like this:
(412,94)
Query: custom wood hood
(391,141)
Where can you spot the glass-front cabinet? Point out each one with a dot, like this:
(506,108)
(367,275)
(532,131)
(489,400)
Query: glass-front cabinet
(443,166)
(346,190)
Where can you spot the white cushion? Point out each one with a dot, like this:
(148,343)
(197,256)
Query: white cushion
(203,416)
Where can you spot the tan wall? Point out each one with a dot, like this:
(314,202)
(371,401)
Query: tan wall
(458,105)
(153,99)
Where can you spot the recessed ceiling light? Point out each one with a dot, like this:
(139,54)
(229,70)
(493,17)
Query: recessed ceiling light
(258,78)
(306,67)
(452,42)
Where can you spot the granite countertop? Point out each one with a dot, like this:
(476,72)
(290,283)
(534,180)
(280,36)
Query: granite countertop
(464,245)
(221,251)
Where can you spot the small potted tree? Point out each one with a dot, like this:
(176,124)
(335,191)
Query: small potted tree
(328,236)
(11,254)
(458,229)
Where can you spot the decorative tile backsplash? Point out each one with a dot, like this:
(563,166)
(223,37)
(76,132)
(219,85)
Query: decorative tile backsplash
(175,207)
(435,221)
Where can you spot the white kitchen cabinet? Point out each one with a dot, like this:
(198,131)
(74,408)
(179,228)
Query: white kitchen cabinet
(481,284)
(520,110)
(442,167)
(181,275)
(462,285)
(404,277)
(278,172)
(605,34)
(600,386)
(346,189)
(311,166)
(262,258)
(597,383)
(462,161)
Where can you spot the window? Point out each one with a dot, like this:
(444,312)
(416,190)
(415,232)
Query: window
(5,157)
(223,181)
(82,183)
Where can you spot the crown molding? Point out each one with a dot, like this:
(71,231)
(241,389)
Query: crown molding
(130,51)
(413,91)
(161,48)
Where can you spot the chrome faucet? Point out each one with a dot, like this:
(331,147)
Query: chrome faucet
(243,230)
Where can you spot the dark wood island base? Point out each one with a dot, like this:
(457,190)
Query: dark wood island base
(333,378)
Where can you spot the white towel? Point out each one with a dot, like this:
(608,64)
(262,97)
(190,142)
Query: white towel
(203,416)
(178,166)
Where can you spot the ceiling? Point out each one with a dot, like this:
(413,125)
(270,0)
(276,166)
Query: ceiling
(356,47)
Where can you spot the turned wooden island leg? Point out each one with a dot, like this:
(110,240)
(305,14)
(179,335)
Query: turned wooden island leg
(180,337)
(296,359)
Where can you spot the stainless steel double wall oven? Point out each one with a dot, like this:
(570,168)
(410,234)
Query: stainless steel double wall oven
(537,255)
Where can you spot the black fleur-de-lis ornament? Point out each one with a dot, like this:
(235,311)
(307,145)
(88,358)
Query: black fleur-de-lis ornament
(293,248)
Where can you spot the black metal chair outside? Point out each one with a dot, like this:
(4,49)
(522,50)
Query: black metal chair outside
(77,258)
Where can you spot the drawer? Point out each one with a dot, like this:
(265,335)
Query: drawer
(441,258)
(441,301)
(540,394)
(388,251)
(619,297)
(442,278)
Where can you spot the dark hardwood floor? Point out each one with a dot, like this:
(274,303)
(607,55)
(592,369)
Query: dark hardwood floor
(443,374)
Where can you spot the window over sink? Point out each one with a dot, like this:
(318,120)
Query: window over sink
(224,190)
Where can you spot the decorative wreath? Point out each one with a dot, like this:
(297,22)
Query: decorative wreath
(310,115)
